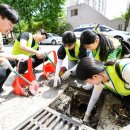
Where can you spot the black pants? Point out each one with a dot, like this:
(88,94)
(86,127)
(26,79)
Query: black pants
(35,62)
(4,73)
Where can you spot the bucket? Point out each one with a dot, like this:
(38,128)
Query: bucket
(21,87)
(49,68)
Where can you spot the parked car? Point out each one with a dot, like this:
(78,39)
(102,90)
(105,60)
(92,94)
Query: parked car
(53,39)
(121,35)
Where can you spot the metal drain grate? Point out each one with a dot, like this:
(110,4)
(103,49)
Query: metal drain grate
(49,119)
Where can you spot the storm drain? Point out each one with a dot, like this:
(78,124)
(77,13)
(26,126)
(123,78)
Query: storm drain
(49,119)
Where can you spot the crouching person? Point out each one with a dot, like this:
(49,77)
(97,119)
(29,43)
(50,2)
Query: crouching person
(71,47)
(28,44)
(105,75)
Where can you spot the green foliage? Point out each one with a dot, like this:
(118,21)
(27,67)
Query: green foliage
(62,27)
(36,14)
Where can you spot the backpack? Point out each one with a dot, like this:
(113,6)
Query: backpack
(125,49)
(119,72)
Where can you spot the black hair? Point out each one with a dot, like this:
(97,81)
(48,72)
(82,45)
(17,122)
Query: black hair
(87,67)
(43,32)
(105,44)
(68,37)
(8,12)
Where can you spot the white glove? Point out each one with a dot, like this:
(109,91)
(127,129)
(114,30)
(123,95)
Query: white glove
(6,64)
(57,82)
(86,117)
(69,72)
(66,75)
(22,57)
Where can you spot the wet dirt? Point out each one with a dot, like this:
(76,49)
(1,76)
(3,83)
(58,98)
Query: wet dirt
(73,103)
(121,114)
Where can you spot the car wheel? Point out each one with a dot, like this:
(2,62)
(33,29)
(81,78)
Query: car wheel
(119,38)
(53,42)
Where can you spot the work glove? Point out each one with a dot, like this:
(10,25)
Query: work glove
(66,75)
(57,82)
(6,64)
(86,117)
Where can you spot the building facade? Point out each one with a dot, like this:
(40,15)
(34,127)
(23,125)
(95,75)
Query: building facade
(98,5)
(84,14)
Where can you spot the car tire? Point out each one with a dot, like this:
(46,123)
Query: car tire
(53,42)
(119,38)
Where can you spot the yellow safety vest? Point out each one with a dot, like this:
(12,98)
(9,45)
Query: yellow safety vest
(77,46)
(17,50)
(96,54)
(119,86)
(115,42)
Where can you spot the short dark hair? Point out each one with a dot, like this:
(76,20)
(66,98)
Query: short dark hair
(8,12)
(87,67)
(68,37)
(43,32)
(88,37)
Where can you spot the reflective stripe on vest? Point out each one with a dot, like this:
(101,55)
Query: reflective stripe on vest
(119,86)
(76,49)
(16,47)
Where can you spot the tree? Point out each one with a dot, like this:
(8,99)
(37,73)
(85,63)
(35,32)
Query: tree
(44,13)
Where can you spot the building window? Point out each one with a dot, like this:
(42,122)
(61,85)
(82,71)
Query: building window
(74,12)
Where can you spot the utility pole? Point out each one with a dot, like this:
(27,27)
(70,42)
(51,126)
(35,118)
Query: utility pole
(127,18)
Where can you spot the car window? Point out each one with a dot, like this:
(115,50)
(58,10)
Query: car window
(105,29)
(82,29)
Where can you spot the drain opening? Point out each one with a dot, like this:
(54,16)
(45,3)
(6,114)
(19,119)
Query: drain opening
(73,102)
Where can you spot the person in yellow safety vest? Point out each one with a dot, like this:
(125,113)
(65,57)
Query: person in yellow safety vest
(106,75)
(8,18)
(71,47)
(28,44)
(126,128)
(103,48)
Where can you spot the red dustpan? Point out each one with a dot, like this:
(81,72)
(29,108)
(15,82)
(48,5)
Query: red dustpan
(50,68)
(25,84)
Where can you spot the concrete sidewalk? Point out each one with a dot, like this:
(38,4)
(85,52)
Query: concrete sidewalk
(14,109)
